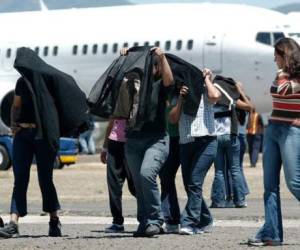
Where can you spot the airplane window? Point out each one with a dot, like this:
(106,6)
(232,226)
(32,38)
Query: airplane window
(85,49)
(264,37)
(295,35)
(104,48)
(95,48)
(75,49)
(125,45)
(46,51)
(179,45)
(146,43)
(168,45)
(37,50)
(8,53)
(55,50)
(190,44)
(156,44)
(115,48)
(277,36)
(135,44)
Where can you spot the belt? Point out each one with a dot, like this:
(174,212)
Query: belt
(27,125)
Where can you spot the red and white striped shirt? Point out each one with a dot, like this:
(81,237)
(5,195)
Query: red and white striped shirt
(286,99)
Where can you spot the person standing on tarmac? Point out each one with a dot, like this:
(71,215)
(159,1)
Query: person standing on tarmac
(25,147)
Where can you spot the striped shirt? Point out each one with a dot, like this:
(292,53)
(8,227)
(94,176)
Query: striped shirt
(201,125)
(286,99)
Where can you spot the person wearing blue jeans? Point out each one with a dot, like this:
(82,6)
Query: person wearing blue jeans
(281,141)
(197,152)
(146,151)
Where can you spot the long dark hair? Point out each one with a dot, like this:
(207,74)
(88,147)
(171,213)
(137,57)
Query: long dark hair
(289,50)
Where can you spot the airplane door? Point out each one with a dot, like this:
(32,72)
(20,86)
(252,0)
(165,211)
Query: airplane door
(212,52)
(8,55)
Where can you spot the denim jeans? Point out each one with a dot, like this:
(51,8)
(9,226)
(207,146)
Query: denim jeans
(145,157)
(254,143)
(87,143)
(243,142)
(228,148)
(169,200)
(117,172)
(281,147)
(196,159)
(25,146)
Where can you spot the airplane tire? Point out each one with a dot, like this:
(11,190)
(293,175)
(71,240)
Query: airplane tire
(4,159)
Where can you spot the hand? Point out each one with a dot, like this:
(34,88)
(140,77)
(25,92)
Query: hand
(15,129)
(103,156)
(184,91)
(296,122)
(124,51)
(157,51)
(207,74)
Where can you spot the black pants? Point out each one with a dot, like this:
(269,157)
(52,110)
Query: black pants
(254,143)
(117,172)
(169,200)
(25,146)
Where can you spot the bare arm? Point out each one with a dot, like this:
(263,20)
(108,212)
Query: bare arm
(175,113)
(243,103)
(166,71)
(103,154)
(15,114)
(213,93)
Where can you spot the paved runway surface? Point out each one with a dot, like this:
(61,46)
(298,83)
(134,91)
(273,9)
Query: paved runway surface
(85,214)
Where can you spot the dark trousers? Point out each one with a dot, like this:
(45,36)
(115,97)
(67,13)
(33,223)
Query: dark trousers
(169,201)
(117,172)
(196,159)
(254,143)
(25,147)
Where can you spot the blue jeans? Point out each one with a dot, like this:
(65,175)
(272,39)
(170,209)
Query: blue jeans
(145,157)
(243,142)
(25,146)
(196,159)
(87,143)
(228,148)
(254,143)
(281,147)
(169,200)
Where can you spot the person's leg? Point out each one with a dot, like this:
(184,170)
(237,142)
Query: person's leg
(83,143)
(218,188)
(91,143)
(272,228)
(45,158)
(134,153)
(250,139)
(242,139)
(22,159)
(290,154)
(196,214)
(154,158)
(169,200)
(115,179)
(255,148)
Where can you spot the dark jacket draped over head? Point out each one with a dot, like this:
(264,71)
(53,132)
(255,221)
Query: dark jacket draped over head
(103,96)
(59,104)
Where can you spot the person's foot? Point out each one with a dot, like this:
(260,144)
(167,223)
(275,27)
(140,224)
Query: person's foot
(241,205)
(229,203)
(205,229)
(140,232)
(1,222)
(260,243)
(153,229)
(10,230)
(215,205)
(114,228)
(171,228)
(54,227)
(186,231)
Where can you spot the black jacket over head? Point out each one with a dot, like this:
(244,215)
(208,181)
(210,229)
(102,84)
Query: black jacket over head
(229,86)
(59,104)
(192,77)
(103,96)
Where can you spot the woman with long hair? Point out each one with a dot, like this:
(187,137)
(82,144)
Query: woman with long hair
(281,141)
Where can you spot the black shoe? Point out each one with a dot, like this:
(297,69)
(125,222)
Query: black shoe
(215,205)
(1,222)
(10,230)
(152,230)
(54,227)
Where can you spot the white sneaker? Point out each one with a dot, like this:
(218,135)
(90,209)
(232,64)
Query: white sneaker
(171,229)
(186,231)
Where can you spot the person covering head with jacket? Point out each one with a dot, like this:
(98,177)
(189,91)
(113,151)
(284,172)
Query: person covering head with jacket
(146,149)
(198,147)
(281,141)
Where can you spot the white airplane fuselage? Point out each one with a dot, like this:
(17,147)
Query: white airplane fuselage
(221,37)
